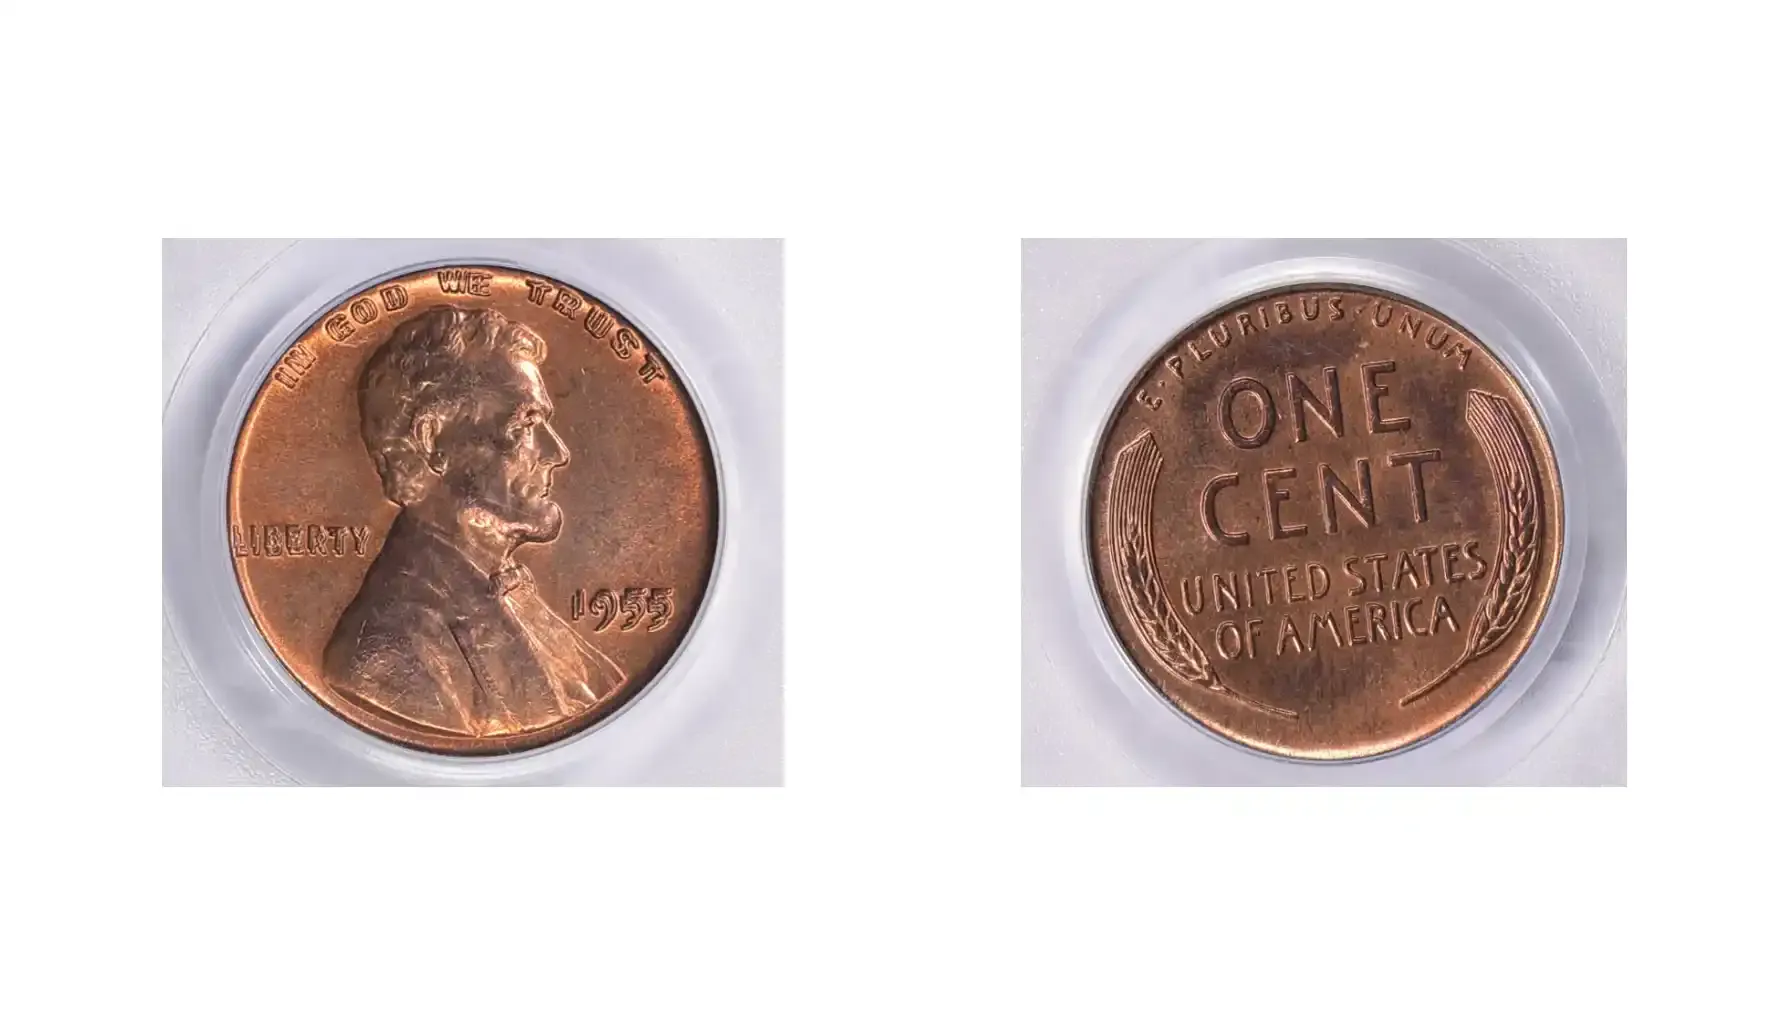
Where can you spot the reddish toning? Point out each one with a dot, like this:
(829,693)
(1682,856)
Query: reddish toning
(1325,523)
(472,510)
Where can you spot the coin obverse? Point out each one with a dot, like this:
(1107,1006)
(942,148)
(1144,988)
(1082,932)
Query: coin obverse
(473,510)
(1325,523)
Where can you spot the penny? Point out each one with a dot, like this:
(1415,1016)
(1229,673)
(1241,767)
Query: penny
(473,510)
(1325,523)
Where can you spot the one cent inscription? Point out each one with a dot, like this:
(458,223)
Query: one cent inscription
(429,467)
(1325,523)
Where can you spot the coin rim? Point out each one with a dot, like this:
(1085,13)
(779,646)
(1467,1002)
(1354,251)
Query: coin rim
(550,738)
(1089,546)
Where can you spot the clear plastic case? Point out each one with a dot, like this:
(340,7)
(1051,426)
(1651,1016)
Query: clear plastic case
(205,607)
(1516,324)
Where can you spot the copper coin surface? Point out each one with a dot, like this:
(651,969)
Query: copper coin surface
(1325,522)
(473,510)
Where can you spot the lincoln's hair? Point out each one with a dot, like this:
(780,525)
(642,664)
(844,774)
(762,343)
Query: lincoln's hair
(429,374)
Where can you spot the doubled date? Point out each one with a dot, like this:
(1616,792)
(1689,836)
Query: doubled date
(626,608)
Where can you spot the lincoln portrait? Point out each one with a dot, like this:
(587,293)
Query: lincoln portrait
(447,630)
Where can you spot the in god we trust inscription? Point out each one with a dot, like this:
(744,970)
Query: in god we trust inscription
(1325,522)
(472,510)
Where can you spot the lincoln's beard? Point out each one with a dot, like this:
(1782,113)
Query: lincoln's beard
(542,526)
(506,502)
(520,521)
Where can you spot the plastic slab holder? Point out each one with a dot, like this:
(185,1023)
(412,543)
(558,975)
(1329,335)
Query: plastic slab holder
(211,620)
(1550,364)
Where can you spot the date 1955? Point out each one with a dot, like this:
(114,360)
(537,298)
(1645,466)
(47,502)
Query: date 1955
(626,608)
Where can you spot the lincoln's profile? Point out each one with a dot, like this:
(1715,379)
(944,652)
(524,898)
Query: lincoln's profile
(447,630)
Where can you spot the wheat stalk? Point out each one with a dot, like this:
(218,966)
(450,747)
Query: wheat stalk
(1130,495)
(1508,594)
(1166,634)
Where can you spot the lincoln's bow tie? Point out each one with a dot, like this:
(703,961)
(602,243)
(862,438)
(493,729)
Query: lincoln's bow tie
(510,577)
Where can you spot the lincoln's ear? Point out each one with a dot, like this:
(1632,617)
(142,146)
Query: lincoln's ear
(425,431)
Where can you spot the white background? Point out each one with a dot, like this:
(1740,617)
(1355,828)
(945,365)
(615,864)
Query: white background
(901,874)
(1067,283)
